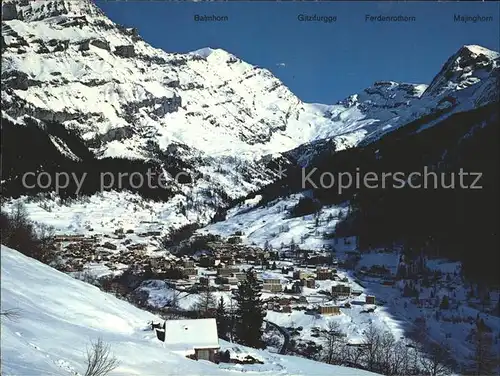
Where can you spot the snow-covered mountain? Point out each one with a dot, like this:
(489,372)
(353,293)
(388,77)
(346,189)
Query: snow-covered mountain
(59,316)
(468,66)
(222,119)
(469,79)
(68,62)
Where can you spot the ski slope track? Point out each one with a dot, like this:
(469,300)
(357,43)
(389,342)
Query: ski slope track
(60,315)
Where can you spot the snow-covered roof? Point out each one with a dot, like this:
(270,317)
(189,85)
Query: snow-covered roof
(191,334)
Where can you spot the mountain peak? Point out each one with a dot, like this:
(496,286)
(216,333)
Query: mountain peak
(215,54)
(475,49)
(203,52)
(32,10)
(468,66)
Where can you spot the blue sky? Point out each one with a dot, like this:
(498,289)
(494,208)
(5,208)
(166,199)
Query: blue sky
(322,62)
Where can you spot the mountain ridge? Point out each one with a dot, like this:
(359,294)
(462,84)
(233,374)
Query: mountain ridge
(285,124)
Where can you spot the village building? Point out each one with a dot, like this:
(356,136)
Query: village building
(70,238)
(221,280)
(370,299)
(301,274)
(318,259)
(194,336)
(228,259)
(329,310)
(206,261)
(279,306)
(323,274)
(302,299)
(310,283)
(227,272)
(293,288)
(159,263)
(272,287)
(188,272)
(274,255)
(284,301)
(137,247)
(209,273)
(341,291)
(181,283)
(240,276)
(271,281)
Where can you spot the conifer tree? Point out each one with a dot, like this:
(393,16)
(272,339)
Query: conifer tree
(445,303)
(249,315)
(222,319)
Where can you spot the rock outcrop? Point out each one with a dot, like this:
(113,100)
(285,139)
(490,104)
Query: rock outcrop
(125,51)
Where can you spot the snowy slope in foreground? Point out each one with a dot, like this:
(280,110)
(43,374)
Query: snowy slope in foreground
(60,315)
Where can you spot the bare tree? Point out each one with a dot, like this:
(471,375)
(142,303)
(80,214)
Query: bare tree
(436,359)
(100,360)
(386,353)
(420,330)
(483,360)
(205,302)
(20,233)
(371,347)
(334,343)
(45,234)
(19,214)
(381,353)
(352,355)
(13,314)
(401,360)
(174,300)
